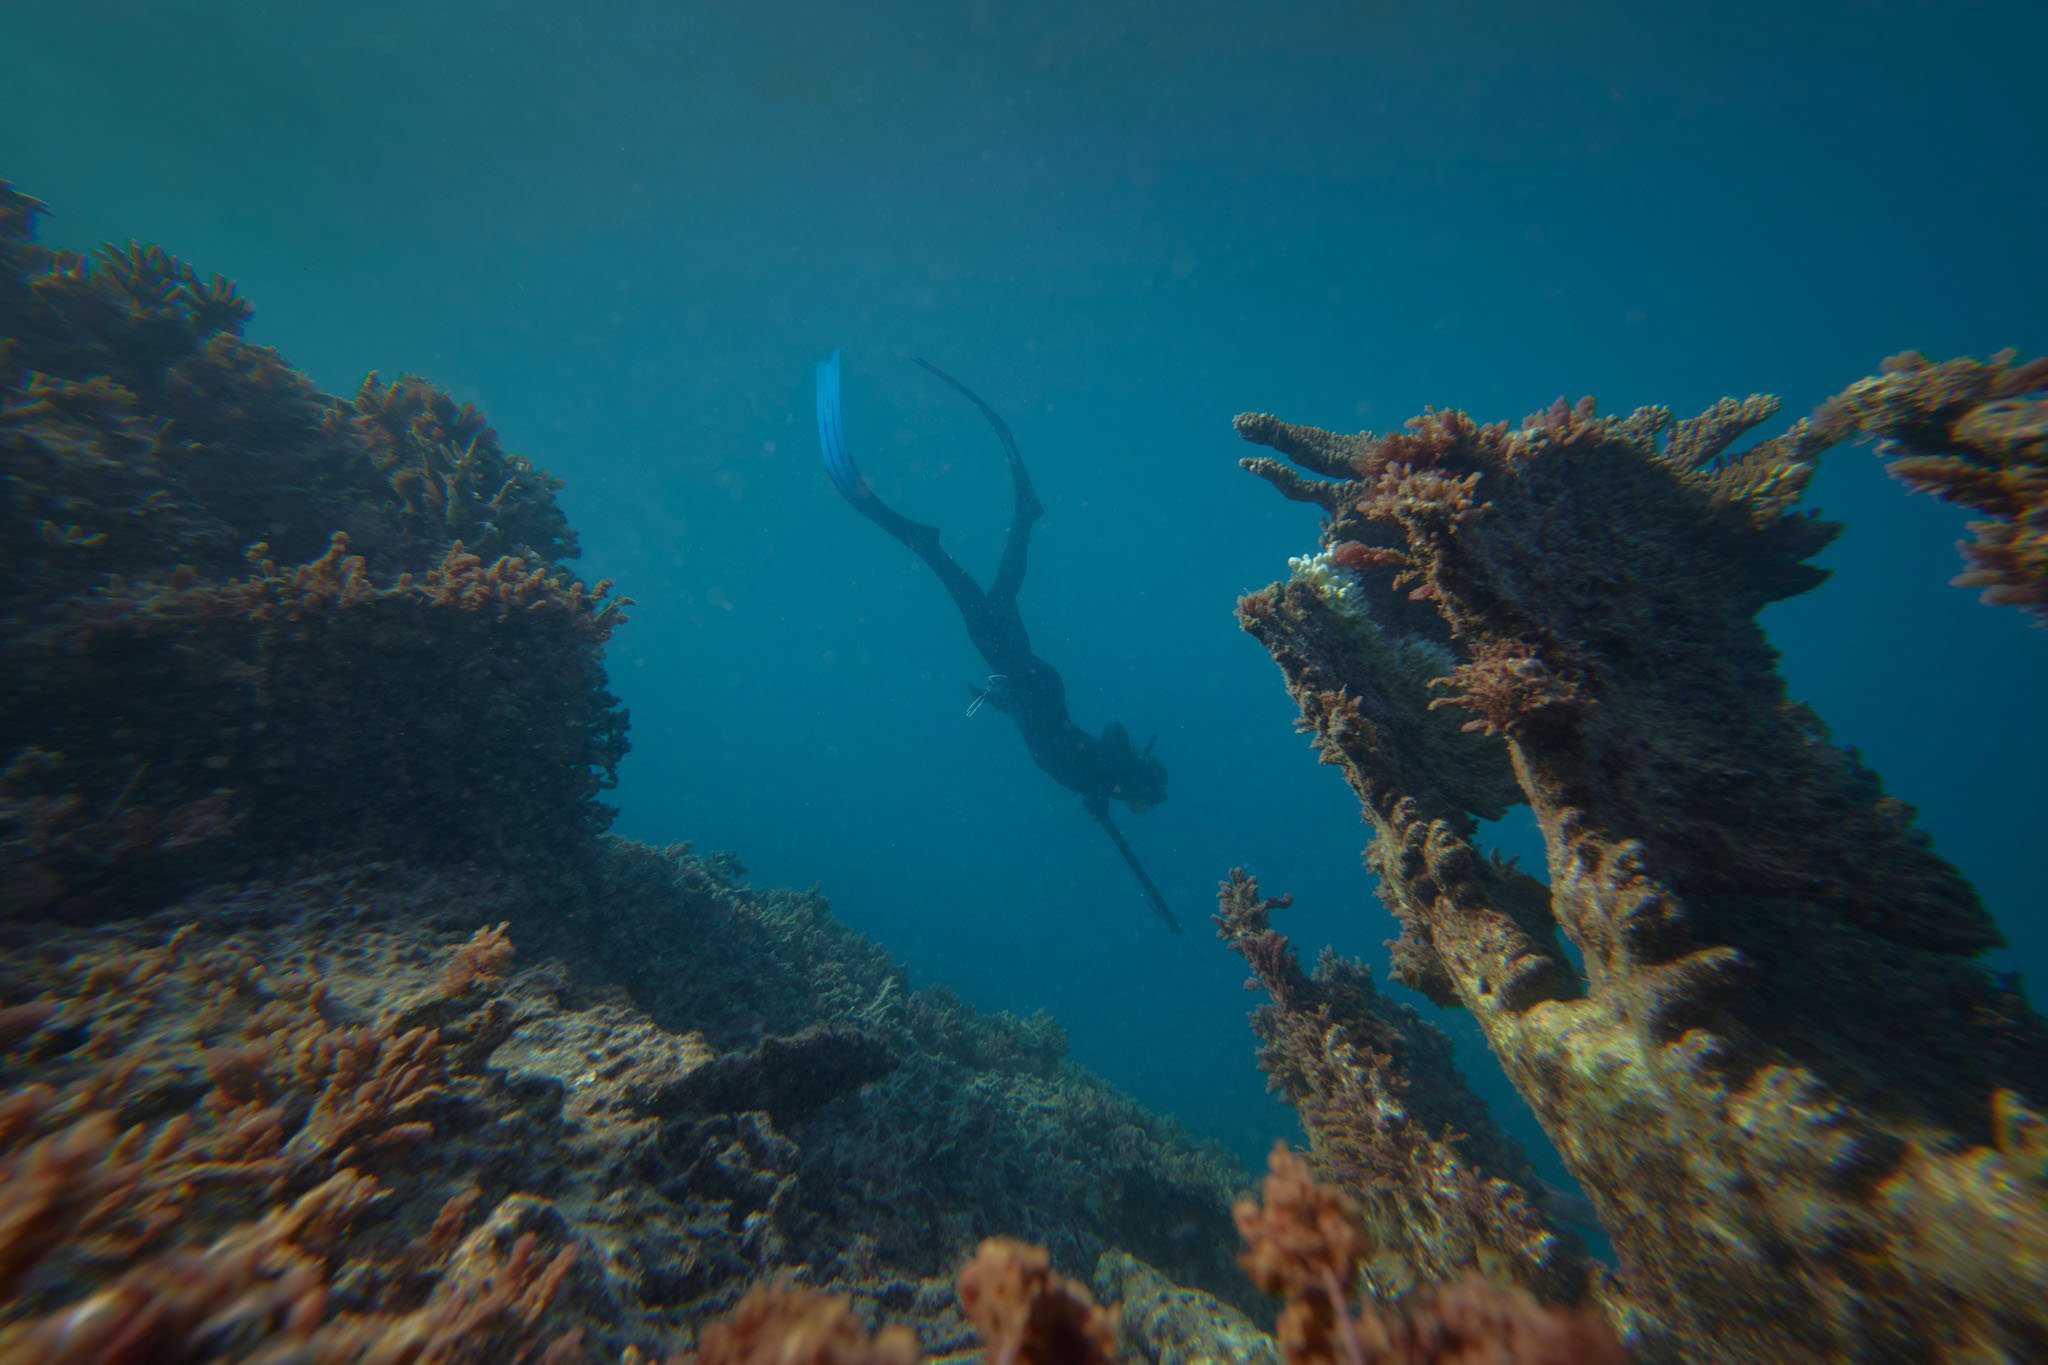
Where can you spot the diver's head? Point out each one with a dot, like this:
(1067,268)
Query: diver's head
(1135,777)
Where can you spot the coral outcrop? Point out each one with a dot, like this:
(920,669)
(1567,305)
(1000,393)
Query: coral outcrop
(198,553)
(333,1026)
(1768,1053)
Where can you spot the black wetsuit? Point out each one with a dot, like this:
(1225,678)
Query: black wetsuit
(1100,768)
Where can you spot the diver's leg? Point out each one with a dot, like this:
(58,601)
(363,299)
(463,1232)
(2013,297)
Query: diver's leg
(1016,546)
(1025,508)
(922,540)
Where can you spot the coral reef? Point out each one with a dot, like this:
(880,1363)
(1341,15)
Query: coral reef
(1975,434)
(1392,1124)
(1771,1060)
(211,1138)
(197,551)
(304,726)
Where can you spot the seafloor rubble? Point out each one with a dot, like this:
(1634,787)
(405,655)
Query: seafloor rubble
(1744,1004)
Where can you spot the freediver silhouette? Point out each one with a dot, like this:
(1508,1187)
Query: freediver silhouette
(1099,768)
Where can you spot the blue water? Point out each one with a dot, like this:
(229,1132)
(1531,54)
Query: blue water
(628,230)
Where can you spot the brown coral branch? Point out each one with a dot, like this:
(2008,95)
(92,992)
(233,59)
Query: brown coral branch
(484,960)
(1243,920)
(1029,1315)
(781,1324)
(375,1087)
(167,1237)
(1509,687)
(55,1189)
(251,1284)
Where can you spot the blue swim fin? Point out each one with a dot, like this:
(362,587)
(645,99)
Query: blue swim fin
(832,435)
(853,486)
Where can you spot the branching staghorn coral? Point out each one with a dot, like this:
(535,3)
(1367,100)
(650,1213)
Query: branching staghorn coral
(1391,1123)
(197,1189)
(1776,1076)
(260,1292)
(1975,434)
(445,466)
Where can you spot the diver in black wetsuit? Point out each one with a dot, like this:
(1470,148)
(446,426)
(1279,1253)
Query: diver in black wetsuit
(1101,768)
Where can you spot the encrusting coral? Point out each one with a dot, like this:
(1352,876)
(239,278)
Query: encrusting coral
(1772,1060)
(981,1125)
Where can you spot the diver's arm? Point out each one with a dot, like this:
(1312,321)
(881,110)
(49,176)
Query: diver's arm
(1099,808)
